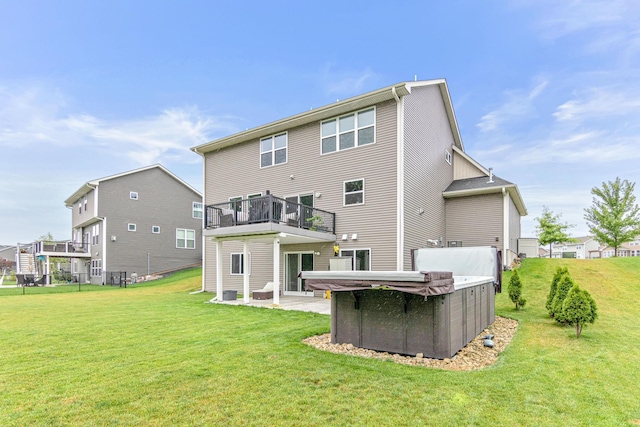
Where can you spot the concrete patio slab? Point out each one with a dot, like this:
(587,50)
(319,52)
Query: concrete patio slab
(309,304)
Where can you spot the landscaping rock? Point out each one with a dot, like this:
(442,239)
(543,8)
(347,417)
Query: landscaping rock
(472,357)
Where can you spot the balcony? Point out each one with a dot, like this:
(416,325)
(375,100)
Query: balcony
(62,249)
(267,215)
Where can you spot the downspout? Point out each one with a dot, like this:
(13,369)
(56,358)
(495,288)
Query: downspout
(505,222)
(104,248)
(400,181)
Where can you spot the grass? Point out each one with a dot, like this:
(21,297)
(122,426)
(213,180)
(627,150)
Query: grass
(156,355)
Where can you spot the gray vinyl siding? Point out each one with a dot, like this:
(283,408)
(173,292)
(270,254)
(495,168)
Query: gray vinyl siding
(235,171)
(86,215)
(514,226)
(162,201)
(475,220)
(427,135)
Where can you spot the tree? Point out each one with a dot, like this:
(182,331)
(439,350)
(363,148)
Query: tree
(579,308)
(614,217)
(560,271)
(550,230)
(46,238)
(515,290)
(564,286)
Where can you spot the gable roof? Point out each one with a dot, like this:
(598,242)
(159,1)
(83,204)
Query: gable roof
(341,107)
(90,185)
(484,185)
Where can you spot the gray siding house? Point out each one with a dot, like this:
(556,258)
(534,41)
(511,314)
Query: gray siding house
(143,221)
(369,178)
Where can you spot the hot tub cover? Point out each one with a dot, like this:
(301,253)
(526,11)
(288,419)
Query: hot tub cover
(424,283)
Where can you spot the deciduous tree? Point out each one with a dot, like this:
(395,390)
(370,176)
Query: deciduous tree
(614,216)
(550,230)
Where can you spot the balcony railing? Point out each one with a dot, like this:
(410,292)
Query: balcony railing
(61,247)
(268,209)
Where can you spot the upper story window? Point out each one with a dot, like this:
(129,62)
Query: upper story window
(95,240)
(273,150)
(185,239)
(133,195)
(351,130)
(85,204)
(155,229)
(80,207)
(447,156)
(354,192)
(197,210)
(131,227)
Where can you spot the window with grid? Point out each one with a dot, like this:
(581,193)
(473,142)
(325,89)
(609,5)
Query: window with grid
(273,150)
(185,239)
(197,210)
(354,192)
(349,131)
(96,267)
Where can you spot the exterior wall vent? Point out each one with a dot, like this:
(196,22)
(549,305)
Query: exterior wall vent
(454,244)
(113,238)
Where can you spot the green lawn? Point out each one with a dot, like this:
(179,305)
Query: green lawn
(156,355)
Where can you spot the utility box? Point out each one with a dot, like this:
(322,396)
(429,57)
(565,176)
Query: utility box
(229,295)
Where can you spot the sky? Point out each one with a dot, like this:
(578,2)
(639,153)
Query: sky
(545,92)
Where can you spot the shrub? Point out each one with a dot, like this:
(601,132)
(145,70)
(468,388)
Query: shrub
(560,271)
(579,308)
(564,286)
(515,290)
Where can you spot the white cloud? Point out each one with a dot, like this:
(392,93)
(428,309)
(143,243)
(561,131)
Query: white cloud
(36,116)
(598,102)
(345,83)
(518,104)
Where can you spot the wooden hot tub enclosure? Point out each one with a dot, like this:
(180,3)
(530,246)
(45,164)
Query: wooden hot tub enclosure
(434,313)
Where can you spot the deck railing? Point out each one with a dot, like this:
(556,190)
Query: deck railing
(268,209)
(61,247)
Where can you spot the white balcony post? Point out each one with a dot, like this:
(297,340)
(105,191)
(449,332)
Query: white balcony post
(276,270)
(245,271)
(218,271)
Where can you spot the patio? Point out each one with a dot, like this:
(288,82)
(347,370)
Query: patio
(309,304)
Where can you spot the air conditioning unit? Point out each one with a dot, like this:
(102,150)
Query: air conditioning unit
(113,238)
(454,244)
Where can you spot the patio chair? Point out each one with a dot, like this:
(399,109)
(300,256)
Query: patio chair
(20,280)
(264,293)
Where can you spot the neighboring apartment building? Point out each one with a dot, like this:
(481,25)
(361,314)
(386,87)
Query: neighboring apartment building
(582,248)
(143,221)
(370,178)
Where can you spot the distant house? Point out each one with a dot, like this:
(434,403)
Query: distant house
(368,178)
(581,248)
(626,249)
(142,221)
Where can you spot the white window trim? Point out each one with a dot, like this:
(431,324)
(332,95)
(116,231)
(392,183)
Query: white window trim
(241,254)
(273,150)
(96,267)
(194,210)
(344,193)
(254,195)
(129,227)
(185,239)
(133,195)
(355,129)
(153,227)
(447,156)
(354,256)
